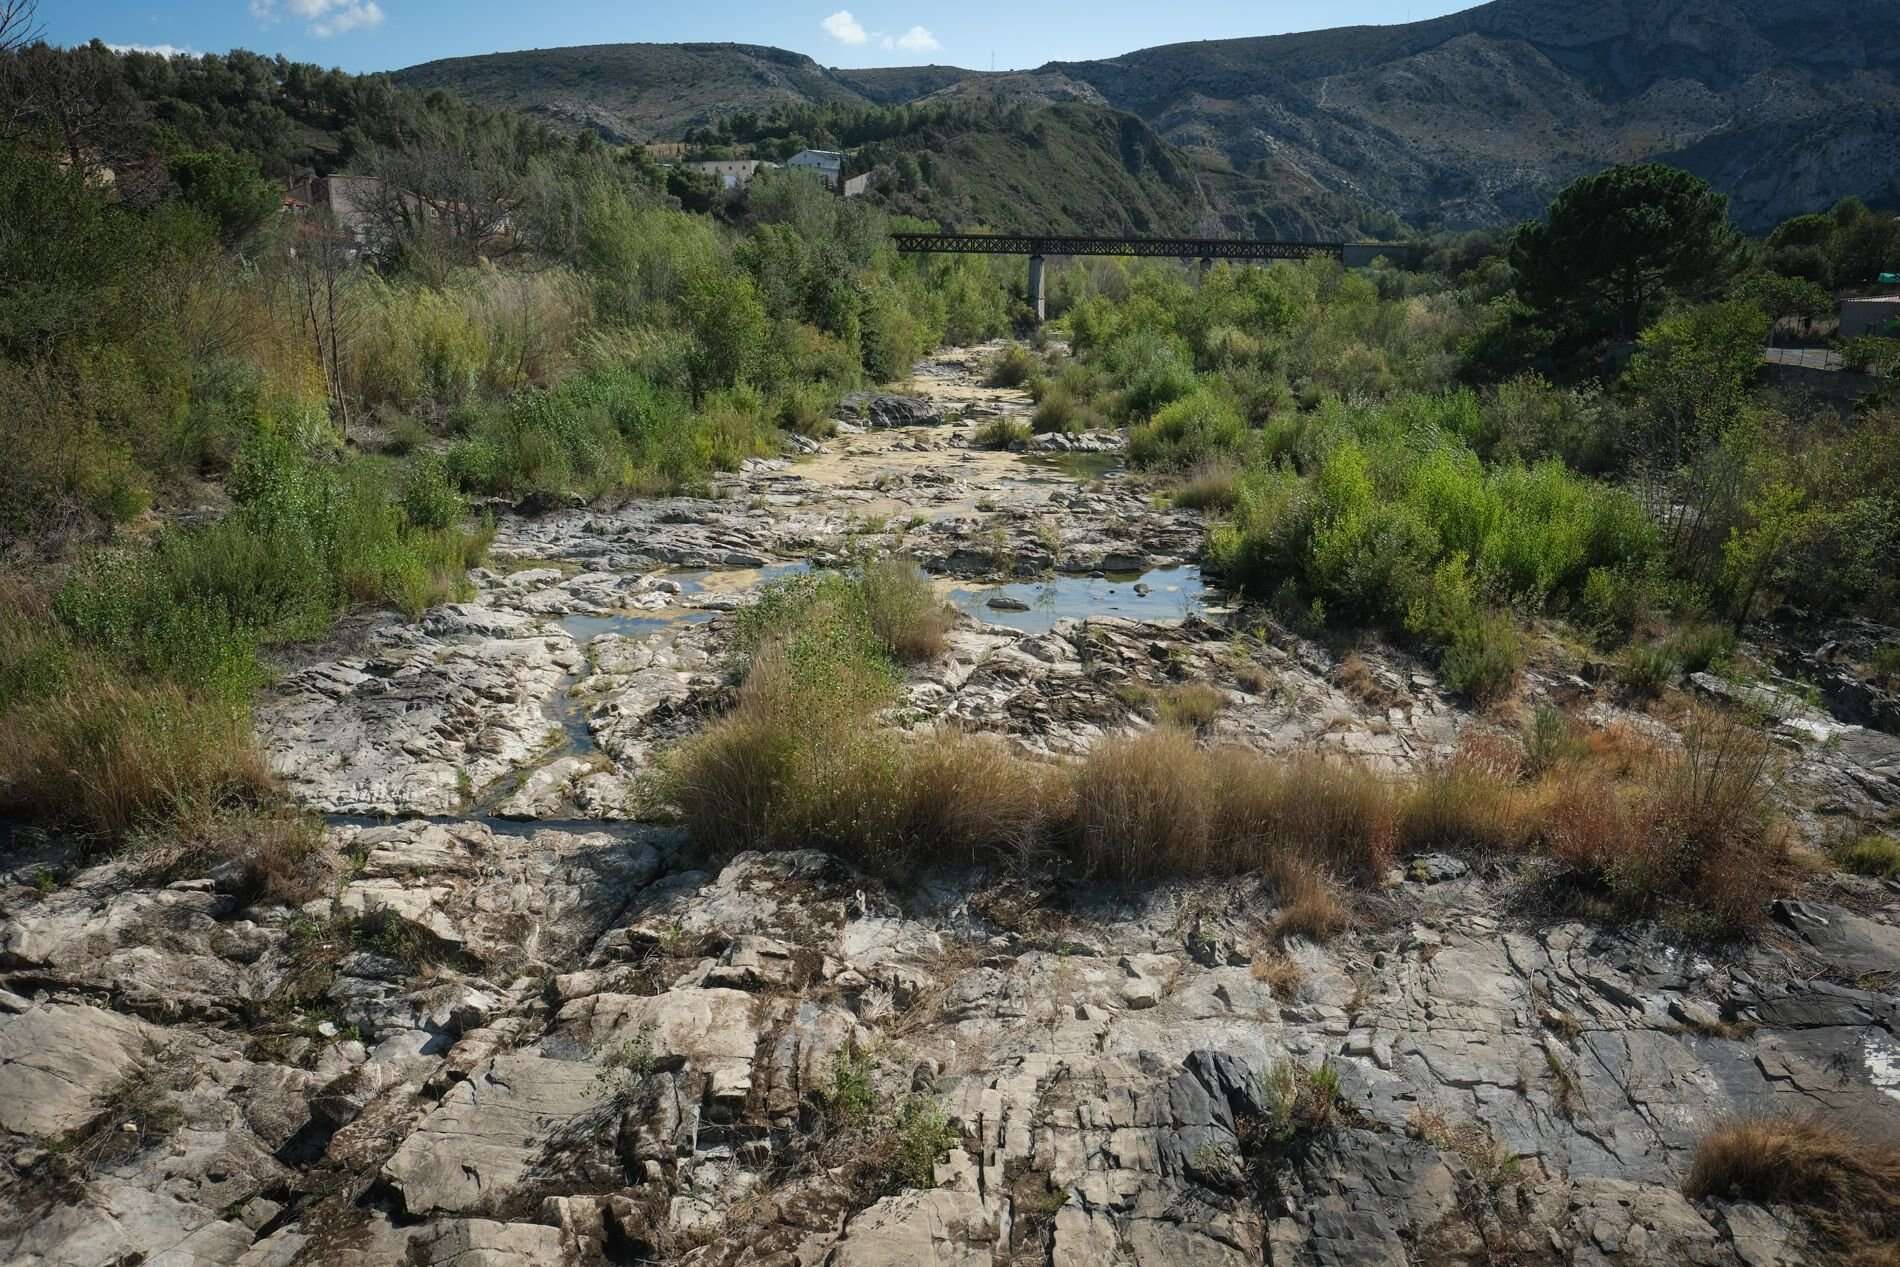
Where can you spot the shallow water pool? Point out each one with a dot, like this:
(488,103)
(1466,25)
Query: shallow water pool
(1172,594)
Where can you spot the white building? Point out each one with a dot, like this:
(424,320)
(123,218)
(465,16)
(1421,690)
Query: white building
(733,173)
(829,164)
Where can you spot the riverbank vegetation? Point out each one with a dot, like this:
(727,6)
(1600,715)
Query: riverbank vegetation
(234,416)
(1505,435)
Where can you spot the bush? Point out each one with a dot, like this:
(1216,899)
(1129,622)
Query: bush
(810,409)
(1013,368)
(1060,409)
(1484,658)
(1152,369)
(1001,433)
(906,617)
(1550,740)
(429,499)
(925,1136)
(1697,647)
(1647,669)
(1192,431)
(1696,841)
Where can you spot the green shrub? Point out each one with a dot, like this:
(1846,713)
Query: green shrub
(1550,740)
(810,409)
(476,466)
(1484,658)
(1152,370)
(429,499)
(906,617)
(1696,647)
(1061,410)
(1192,431)
(1013,368)
(1647,668)
(925,1136)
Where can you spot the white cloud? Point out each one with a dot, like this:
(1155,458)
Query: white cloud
(324,18)
(918,40)
(162,50)
(844,28)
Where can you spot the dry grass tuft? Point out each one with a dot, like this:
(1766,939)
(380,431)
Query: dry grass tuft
(1848,1186)
(1355,677)
(281,854)
(1160,805)
(1142,807)
(1279,972)
(1191,706)
(1309,907)
(1466,806)
(967,796)
(109,755)
(1329,812)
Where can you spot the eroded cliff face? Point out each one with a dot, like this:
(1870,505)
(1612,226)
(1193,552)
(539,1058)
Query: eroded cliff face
(521,1027)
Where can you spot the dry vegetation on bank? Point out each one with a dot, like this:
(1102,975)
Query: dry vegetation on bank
(1848,1186)
(802,760)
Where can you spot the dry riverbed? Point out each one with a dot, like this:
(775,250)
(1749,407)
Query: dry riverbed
(527,1028)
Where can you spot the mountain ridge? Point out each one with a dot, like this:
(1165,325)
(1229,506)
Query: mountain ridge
(1471,119)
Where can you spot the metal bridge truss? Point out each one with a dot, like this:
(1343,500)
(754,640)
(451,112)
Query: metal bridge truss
(1160,248)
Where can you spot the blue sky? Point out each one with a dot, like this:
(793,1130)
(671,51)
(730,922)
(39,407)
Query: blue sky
(362,35)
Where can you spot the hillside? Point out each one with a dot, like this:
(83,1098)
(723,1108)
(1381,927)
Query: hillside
(1069,168)
(1476,118)
(634,92)
(1471,119)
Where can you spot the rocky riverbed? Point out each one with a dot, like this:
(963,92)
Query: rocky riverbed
(527,1027)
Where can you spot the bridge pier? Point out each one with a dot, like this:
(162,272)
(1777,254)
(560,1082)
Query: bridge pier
(1207,266)
(1038,301)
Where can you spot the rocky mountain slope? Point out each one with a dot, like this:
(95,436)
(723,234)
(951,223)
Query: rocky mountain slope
(521,1028)
(1471,119)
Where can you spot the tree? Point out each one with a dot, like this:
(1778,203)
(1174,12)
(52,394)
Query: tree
(322,268)
(1785,298)
(1616,245)
(1693,371)
(19,24)
(226,188)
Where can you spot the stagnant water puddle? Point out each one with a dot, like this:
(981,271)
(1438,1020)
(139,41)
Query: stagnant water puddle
(1171,593)
(585,627)
(1083,468)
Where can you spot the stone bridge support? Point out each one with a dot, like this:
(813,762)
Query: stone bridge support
(1038,299)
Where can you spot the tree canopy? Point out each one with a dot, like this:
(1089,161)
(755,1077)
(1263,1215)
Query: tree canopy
(1617,244)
